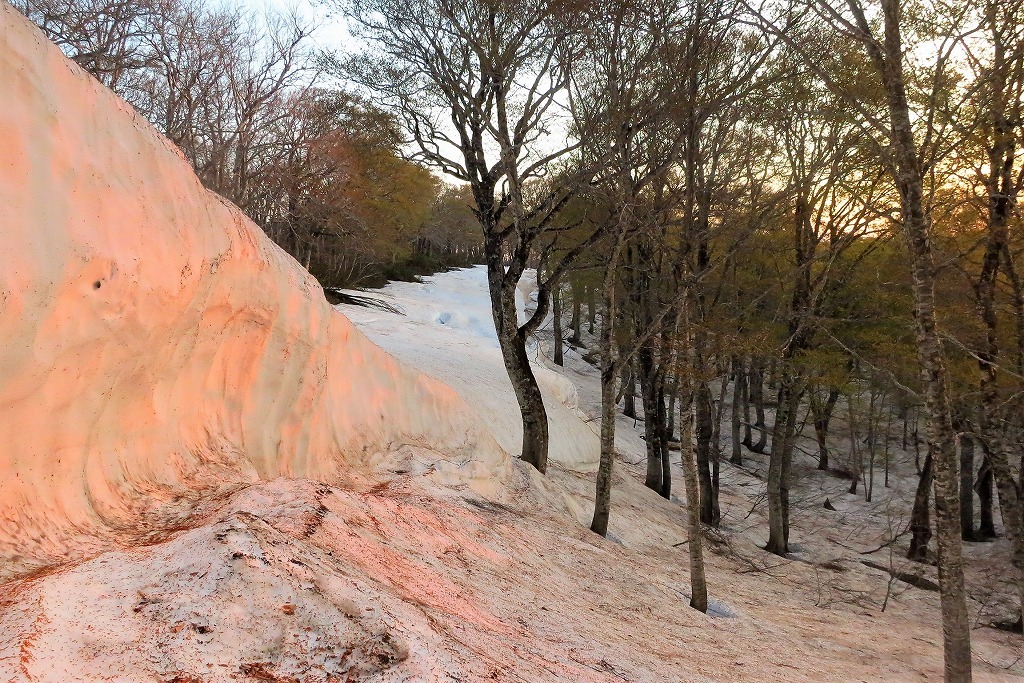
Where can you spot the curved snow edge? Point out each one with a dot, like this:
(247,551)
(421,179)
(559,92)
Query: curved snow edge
(157,348)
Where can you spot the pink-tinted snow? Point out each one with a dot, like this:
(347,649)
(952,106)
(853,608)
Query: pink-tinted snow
(207,474)
(157,348)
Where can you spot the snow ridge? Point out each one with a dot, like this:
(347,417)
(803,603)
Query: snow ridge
(158,349)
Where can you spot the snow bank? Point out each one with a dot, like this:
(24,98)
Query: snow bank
(446,330)
(156,347)
(297,581)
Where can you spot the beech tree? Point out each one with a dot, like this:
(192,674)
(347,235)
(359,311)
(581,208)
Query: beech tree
(996,60)
(626,93)
(478,86)
(831,193)
(880,29)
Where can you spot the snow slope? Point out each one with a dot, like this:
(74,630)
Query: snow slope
(405,580)
(171,385)
(157,348)
(293,581)
(445,329)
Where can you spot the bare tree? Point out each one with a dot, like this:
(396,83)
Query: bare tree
(107,38)
(698,580)
(478,85)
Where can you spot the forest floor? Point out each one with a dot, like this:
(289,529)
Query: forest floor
(394,578)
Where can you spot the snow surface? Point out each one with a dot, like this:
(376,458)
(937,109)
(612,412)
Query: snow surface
(161,435)
(158,349)
(445,329)
(412,579)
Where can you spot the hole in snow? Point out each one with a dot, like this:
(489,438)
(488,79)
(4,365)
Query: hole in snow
(716,608)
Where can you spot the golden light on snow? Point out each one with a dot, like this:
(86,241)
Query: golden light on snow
(209,474)
(157,347)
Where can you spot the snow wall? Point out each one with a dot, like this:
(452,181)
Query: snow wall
(156,347)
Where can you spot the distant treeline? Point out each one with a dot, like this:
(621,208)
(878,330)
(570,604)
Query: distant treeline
(244,98)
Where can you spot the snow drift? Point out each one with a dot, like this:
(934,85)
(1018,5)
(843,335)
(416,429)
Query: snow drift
(449,315)
(157,348)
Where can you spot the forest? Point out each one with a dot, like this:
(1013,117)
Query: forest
(758,219)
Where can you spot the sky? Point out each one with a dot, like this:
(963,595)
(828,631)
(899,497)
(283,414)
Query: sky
(330,33)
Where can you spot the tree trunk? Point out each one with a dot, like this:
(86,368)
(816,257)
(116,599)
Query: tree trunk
(941,439)
(602,500)
(628,391)
(748,441)
(716,446)
(869,490)
(904,415)
(651,399)
(756,385)
(917,445)
(531,402)
(779,464)
(737,400)
(666,464)
(920,515)
(822,417)
(591,310)
(986,495)
(574,323)
(556,312)
(966,487)
(888,432)
(698,582)
(909,178)
(517,363)
(609,351)
(704,431)
(855,453)
(671,392)
(666,406)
